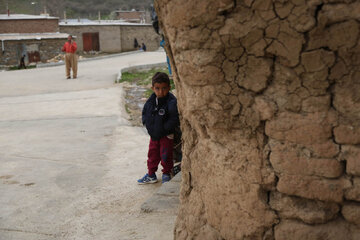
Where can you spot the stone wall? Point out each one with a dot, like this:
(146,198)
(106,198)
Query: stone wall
(29,26)
(47,48)
(144,34)
(268,92)
(109,36)
(131,16)
(116,38)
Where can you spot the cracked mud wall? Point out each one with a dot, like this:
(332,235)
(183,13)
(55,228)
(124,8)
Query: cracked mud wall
(269,96)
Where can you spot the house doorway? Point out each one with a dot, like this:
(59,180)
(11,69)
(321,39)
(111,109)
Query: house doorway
(91,41)
(34,56)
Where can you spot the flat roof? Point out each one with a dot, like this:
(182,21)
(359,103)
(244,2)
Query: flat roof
(76,20)
(24,17)
(101,23)
(127,11)
(32,36)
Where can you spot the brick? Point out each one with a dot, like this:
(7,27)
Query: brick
(334,230)
(354,192)
(309,211)
(346,98)
(316,104)
(326,149)
(265,108)
(304,129)
(335,37)
(317,60)
(347,134)
(352,156)
(254,76)
(316,82)
(287,159)
(313,187)
(351,212)
(29,26)
(287,47)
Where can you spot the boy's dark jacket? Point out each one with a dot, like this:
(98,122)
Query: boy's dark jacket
(160,120)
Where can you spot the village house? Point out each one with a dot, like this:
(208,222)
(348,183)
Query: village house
(110,36)
(132,16)
(35,36)
(40,37)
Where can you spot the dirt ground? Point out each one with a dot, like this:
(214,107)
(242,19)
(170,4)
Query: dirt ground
(72,157)
(134,101)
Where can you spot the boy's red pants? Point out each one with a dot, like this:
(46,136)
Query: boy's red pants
(160,151)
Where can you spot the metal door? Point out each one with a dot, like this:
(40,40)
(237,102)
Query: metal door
(91,41)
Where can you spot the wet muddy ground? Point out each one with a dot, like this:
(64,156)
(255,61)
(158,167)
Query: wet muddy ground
(137,87)
(135,99)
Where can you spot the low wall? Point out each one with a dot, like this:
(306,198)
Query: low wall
(116,38)
(13,50)
(29,25)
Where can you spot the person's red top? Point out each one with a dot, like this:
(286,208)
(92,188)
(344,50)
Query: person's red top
(69,47)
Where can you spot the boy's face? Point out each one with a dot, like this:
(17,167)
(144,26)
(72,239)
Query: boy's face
(161,89)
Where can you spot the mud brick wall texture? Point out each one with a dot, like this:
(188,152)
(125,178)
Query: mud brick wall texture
(29,26)
(268,92)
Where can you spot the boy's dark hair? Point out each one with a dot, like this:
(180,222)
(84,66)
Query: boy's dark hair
(160,77)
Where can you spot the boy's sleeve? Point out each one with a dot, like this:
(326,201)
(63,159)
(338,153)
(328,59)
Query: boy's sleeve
(173,117)
(144,114)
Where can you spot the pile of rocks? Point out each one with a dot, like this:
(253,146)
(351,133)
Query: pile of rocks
(57,58)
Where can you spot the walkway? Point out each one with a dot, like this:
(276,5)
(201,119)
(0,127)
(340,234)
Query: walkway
(69,159)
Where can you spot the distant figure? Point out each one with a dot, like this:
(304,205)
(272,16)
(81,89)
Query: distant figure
(136,44)
(143,47)
(155,24)
(154,19)
(70,57)
(22,62)
(162,44)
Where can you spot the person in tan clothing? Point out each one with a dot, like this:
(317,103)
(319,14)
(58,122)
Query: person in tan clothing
(70,57)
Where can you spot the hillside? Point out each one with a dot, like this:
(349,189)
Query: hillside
(74,8)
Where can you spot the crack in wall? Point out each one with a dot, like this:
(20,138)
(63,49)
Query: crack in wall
(286,125)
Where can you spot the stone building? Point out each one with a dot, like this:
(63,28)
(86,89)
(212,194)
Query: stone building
(111,36)
(36,37)
(268,93)
(132,16)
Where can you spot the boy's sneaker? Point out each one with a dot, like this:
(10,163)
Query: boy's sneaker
(165,178)
(147,179)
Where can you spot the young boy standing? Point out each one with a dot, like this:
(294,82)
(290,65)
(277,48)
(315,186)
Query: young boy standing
(160,116)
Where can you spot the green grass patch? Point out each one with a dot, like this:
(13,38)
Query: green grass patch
(13,68)
(143,78)
(148,93)
(127,108)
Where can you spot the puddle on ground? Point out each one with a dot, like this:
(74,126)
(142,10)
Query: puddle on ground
(11,182)
(134,102)
(28,184)
(6,177)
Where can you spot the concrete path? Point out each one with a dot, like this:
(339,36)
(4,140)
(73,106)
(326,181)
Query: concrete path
(69,159)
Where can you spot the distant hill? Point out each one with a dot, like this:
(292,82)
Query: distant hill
(74,8)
